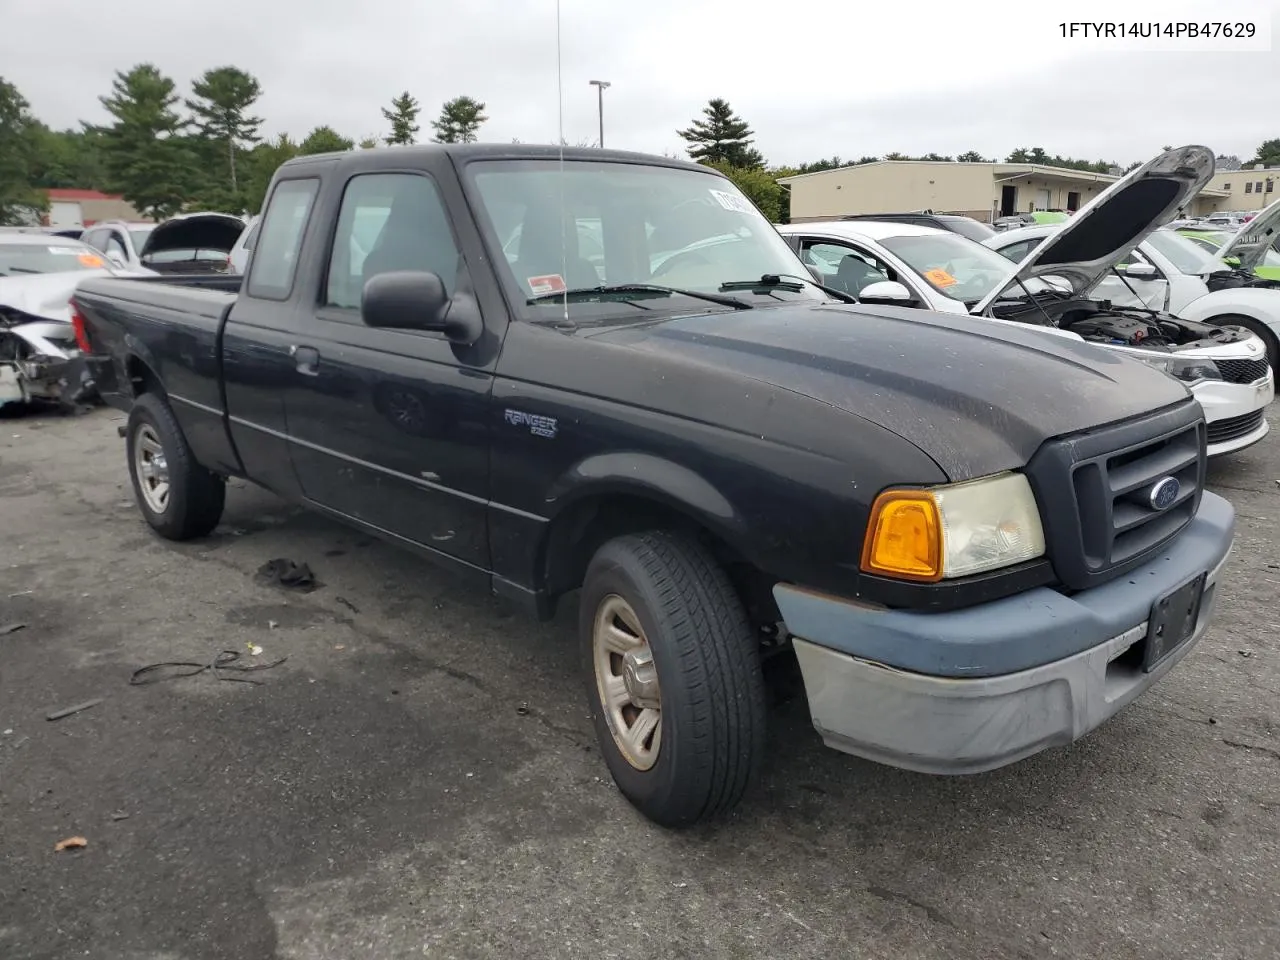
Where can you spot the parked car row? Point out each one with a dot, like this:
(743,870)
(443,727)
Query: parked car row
(965,491)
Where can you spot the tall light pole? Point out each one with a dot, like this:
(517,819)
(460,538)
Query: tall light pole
(600,86)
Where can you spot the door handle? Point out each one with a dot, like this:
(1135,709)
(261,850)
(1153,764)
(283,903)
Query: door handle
(306,359)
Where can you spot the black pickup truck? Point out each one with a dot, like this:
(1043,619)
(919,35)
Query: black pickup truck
(605,372)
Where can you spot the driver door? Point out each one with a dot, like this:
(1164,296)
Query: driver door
(850,268)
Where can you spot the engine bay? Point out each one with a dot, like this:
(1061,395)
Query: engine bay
(1100,322)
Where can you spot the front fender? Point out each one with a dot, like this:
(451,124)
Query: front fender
(1260,305)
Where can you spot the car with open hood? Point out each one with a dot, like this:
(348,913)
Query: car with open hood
(190,243)
(1251,251)
(1224,366)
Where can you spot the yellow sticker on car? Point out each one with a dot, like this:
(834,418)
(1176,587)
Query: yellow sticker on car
(89,260)
(939,277)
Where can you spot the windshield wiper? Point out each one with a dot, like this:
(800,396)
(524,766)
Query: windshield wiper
(786,281)
(586,293)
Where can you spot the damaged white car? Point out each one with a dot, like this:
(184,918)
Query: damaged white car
(40,358)
(1056,287)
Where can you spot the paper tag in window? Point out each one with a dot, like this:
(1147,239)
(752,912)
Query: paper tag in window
(548,283)
(731,201)
(89,260)
(939,277)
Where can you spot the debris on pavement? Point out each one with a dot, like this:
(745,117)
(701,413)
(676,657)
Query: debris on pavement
(9,628)
(119,815)
(226,660)
(68,711)
(348,604)
(254,649)
(283,572)
(71,843)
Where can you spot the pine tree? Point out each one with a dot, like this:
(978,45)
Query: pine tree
(722,137)
(325,139)
(221,120)
(403,117)
(146,160)
(459,121)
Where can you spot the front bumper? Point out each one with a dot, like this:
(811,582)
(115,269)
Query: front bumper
(976,689)
(1225,404)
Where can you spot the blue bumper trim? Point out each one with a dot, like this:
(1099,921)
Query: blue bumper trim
(1018,632)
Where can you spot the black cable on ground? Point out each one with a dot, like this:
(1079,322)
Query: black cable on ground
(226,660)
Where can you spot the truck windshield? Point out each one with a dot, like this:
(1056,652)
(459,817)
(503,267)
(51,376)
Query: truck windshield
(19,259)
(626,224)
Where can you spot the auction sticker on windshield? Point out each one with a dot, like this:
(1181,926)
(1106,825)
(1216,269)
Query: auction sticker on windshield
(939,277)
(731,201)
(547,283)
(89,260)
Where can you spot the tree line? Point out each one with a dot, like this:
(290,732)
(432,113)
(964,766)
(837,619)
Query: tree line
(167,153)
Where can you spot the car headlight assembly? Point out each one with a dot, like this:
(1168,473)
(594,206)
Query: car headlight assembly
(1188,371)
(937,533)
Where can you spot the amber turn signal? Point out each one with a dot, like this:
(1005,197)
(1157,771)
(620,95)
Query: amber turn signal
(904,536)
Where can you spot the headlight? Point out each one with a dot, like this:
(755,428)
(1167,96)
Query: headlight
(954,530)
(1188,371)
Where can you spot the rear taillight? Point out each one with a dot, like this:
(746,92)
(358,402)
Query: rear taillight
(77,324)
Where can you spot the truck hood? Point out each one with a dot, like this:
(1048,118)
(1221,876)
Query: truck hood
(196,231)
(1099,236)
(975,396)
(1252,241)
(46,295)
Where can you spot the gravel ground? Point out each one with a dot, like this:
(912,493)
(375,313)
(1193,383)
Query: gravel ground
(418,778)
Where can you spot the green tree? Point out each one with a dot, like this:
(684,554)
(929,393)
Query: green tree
(67,158)
(721,136)
(146,160)
(1268,153)
(759,185)
(403,117)
(20,201)
(223,124)
(459,121)
(261,164)
(325,139)
(971,156)
(368,143)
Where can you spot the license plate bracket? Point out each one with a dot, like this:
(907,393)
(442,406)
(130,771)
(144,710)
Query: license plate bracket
(1173,620)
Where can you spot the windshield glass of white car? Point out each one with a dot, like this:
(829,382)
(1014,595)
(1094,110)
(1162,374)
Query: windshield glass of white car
(1186,256)
(954,266)
(623,225)
(21,259)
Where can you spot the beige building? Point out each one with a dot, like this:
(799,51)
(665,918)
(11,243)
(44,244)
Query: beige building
(1250,188)
(983,191)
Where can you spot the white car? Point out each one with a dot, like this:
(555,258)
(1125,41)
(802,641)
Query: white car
(1173,273)
(238,259)
(1225,367)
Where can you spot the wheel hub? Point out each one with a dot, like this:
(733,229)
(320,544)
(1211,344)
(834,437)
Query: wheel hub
(641,678)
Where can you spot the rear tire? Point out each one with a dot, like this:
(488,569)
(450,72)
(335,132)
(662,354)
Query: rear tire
(180,499)
(692,653)
(1265,333)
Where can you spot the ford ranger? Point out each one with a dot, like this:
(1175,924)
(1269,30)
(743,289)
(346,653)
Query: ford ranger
(980,542)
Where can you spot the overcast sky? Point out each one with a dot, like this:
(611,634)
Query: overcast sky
(851,77)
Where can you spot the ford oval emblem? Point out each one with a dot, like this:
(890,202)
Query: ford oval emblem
(1163,493)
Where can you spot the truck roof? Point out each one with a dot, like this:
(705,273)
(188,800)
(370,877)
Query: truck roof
(467,152)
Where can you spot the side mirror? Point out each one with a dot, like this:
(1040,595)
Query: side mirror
(416,300)
(885,291)
(1140,271)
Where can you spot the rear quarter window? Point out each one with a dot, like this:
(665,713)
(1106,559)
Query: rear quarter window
(275,261)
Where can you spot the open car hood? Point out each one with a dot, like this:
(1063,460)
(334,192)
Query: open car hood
(1252,241)
(1103,232)
(196,231)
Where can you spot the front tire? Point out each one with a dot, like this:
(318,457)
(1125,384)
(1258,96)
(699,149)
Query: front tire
(673,677)
(179,498)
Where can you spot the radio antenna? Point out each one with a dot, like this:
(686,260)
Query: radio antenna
(564,251)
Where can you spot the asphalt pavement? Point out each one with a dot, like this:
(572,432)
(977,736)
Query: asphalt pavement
(418,778)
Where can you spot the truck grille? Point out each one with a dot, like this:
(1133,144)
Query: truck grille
(1096,489)
(1242,371)
(1232,428)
